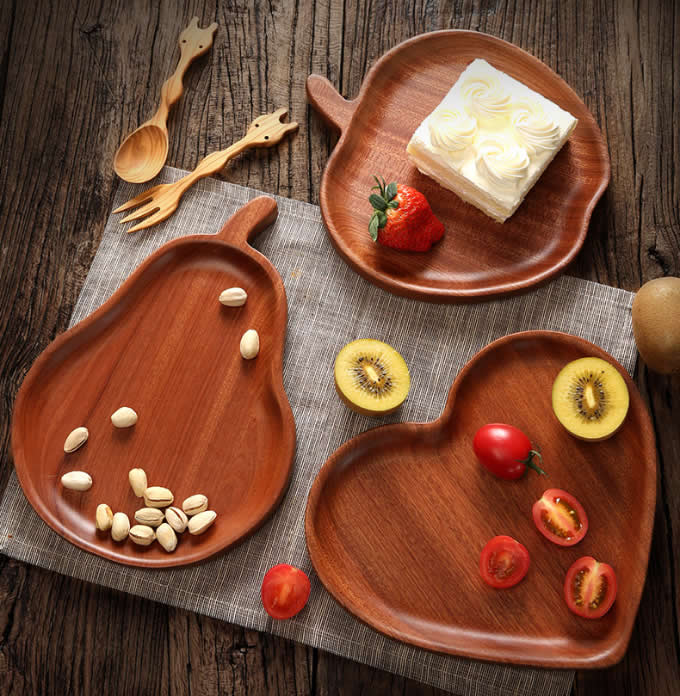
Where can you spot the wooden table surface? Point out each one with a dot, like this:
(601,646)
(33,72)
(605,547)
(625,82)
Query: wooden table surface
(76,77)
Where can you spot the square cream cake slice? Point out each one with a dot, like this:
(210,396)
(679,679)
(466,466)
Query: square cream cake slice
(490,139)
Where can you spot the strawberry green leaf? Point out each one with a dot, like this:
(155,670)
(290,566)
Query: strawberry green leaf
(382,218)
(380,187)
(378,202)
(373,226)
(393,204)
(391,191)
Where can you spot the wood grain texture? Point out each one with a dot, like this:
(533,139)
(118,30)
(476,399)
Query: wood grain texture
(78,77)
(477,257)
(380,528)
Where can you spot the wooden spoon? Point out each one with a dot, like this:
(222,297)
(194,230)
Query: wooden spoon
(143,153)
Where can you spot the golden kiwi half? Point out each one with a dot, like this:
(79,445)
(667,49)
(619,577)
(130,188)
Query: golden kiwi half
(371,377)
(590,398)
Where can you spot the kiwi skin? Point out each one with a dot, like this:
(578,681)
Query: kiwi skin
(595,439)
(656,324)
(358,409)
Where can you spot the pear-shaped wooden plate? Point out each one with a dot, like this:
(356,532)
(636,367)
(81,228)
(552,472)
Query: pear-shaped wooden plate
(209,421)
(477,257)
(397,517)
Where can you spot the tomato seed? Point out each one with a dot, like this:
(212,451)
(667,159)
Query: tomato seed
(578,583)
(601,594)
(570,511)
(553,527)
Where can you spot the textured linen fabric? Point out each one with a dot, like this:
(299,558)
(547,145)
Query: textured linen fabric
(329,305)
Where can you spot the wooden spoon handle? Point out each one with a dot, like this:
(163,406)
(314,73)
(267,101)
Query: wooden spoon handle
(193,42)
(213,163)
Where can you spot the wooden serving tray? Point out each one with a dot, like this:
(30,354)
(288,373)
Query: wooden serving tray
(209,421)
(477,257)
(397,517)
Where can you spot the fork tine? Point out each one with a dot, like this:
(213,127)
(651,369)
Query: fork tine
(138,199)
(142,212)
(280,113)
(153,220)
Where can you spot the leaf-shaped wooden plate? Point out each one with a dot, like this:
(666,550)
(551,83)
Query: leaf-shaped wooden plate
(477,257)
(209,421)
(397,517)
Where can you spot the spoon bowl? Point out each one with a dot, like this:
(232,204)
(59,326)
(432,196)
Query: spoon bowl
(142,154)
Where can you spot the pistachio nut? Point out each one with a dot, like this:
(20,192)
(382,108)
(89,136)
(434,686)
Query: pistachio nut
(158,497)
(176,518)
(199,523)
(120,527)
(250,344)
(76,438)
(166,537)
(142,534)
(103,517)
(137,478)
(233,297)
(124,417)
(149,516)
(77,481)
(195,504)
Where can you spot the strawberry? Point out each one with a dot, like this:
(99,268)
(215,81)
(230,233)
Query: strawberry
(402,218)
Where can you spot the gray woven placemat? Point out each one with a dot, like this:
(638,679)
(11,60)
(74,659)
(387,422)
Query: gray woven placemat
(329,305)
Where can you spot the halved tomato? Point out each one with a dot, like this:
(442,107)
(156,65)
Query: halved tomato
(559,517)
(285,591)
(504,562)
(590,588)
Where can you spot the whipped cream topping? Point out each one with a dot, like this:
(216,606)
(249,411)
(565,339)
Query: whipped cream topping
(502,161)
(451,130)
(534,129)
(485,98)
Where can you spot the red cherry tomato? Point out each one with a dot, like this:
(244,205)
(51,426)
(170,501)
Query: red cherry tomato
(590,588)
(505,450)
(559,517)
(504,562)
(285,591)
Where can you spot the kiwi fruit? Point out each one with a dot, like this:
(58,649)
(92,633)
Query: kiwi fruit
(656,324)
(371,377)
(590,398)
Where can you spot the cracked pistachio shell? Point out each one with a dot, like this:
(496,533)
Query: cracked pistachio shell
(76,439)
(177,519)
(103,517)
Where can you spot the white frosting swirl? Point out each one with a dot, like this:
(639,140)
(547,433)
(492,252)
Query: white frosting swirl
(502,161)
(485,98)
(534,129)
(452,130)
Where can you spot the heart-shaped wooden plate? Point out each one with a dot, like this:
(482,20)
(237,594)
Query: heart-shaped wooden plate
(209,421)
(397,517)
(477,257)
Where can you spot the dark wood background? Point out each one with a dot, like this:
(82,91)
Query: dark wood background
(76,77)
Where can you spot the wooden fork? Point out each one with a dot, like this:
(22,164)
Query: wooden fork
(162,200)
